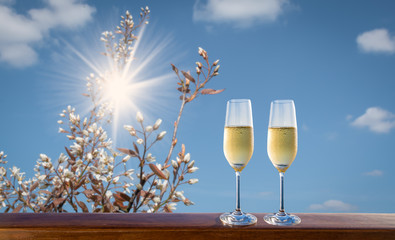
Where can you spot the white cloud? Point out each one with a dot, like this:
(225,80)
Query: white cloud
(376,119)
(241,14)
(19,33)
(377,40)
(334,206)
(374,173)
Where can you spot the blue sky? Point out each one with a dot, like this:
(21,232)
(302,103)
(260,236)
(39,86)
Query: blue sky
(334,58)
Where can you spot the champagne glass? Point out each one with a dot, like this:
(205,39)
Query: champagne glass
(282,145)
(238,149)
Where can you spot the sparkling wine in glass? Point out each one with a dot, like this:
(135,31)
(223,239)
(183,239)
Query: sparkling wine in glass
(282,145)
(238,149)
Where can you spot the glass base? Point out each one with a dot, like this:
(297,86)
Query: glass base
(238,218)
(282,219)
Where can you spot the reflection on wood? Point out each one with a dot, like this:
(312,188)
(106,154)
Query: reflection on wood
(190,226)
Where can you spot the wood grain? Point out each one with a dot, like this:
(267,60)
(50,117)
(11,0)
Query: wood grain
(190,226)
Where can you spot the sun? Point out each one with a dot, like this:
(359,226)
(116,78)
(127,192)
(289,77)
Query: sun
(117,91)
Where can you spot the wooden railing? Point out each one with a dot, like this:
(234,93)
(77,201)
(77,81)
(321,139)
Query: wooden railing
(189,226)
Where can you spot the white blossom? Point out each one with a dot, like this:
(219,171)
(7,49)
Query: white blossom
(157,124)
(89,157)
(167,173)
(193,181)
(139,117)
(162,185)
(3,171)
(103,137)
(174,164)
(79,140)
(108,194)
(14,171)
(76,148)
(42,177)
(190,165)
(156,199)
(171,206)
(140,141)
(62,158)
(115,180)
(67,175)
(150,158)
(180,195)
(44,158)
(161,135)
(149,129)
(187,157)
(126,158)
(128,127)
(192,169)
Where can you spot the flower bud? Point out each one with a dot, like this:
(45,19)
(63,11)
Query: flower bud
(174,164)
(115,180)
(192,169)
(200,51)
(108,194)
(161,135)
(44,157)
(193,181)
(187,157)
(126,158)
(149,129)
(79,140)
(139,117)
(85,121)
(199,64)
(140,141)
(215,63)
(157,124)
(3,171)
(89,157)
(167,173)
(190,165)
(85,132)
(128,127)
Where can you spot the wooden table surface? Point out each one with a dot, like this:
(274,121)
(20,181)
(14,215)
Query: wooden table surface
(190,226)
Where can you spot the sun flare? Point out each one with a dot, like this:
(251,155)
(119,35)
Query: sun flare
(133,86)
(117,91)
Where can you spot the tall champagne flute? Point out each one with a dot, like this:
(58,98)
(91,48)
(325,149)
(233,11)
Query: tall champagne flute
(282,145)
(238,149)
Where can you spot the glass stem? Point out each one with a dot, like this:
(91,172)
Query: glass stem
(238,191)
(281,211)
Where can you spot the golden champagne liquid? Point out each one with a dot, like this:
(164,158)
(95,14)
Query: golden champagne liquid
(282,145)
(238,146)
